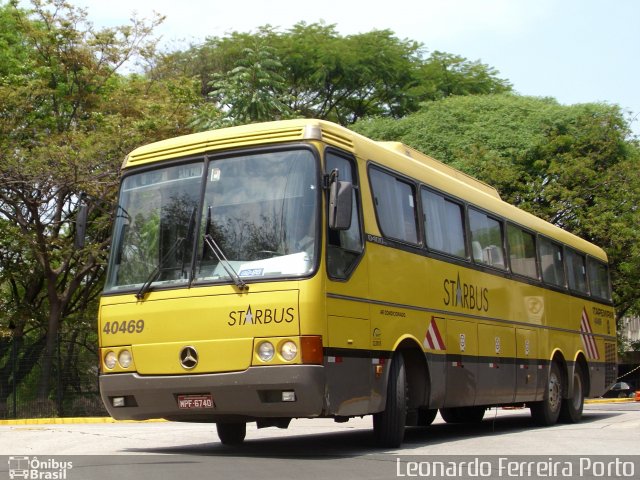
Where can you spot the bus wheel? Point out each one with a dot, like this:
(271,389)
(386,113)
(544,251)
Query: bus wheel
(571,410)
(231,433)
(388,425)
(463,414)
(426,416)
(547,411)
(449,415)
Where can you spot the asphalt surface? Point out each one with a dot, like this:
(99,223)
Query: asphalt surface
(318,448)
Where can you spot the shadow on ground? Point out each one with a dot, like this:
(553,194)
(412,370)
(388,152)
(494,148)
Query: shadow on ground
(359,442)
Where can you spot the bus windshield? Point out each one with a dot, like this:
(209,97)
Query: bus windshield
(259,210)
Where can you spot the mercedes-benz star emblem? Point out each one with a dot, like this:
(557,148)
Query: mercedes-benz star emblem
(188,358)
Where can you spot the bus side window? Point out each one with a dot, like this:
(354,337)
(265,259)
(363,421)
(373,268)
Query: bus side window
(444,224)
(576,271)
(487,240)
(599,279)
(344,247)
(551,262)
(522,252)
(395,206)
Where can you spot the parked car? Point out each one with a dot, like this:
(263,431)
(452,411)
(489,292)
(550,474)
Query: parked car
(619,390)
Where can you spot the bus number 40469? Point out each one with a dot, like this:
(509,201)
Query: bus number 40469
(130,326)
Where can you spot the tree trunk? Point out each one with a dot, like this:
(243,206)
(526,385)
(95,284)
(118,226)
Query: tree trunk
(55,312)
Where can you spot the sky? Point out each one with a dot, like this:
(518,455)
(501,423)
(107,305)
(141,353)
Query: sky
(575,51)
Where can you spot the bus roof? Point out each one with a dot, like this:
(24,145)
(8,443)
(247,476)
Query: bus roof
(241,136)
(399,157)
(443,167)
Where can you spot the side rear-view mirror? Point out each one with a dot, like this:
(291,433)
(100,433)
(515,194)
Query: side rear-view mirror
(340,204)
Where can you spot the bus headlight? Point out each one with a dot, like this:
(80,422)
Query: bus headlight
(288,350)
(110,360)
(266,351)
(124,359)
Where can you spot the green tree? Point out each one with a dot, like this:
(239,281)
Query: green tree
(346,78)
(313,71)
(253,91)
(443,74)
(575,166)
(13,54)
(68,119)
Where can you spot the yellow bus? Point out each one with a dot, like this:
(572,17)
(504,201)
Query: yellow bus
(296,269)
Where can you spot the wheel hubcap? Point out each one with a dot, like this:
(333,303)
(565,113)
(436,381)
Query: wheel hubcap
(554,392)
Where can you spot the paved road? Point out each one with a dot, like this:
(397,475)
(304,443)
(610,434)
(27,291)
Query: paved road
(313,448)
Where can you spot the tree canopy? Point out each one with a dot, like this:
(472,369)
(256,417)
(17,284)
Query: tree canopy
(312,71)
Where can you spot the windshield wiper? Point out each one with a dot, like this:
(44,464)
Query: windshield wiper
(217,251)
(146,286)
(156,271)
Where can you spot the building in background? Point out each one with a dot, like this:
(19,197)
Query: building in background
(629,362)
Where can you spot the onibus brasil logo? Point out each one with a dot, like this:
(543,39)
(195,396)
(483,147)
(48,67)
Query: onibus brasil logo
(38,469)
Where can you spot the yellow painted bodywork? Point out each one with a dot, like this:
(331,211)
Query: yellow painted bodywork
(426,287)
(393,295)
(213,320)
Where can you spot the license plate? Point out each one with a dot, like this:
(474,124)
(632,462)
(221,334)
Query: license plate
(195,402)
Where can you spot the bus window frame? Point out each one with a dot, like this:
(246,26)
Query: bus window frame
(420,244)
(353,161)
(206,157)
(609,298)
(502,223)
(538,277)
(173,162)
(465,229)
(564,287)
(574,291)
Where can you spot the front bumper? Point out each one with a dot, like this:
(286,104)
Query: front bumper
(250,394)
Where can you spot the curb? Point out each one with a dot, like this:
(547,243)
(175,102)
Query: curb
(608,400)
(72,420)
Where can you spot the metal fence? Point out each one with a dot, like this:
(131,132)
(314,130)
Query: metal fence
(73,384)
(86,404)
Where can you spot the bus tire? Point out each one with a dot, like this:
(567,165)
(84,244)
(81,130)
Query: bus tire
(426,416)
(389,425)
(571,410)
(463,414)
(232,433)
(546,412)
